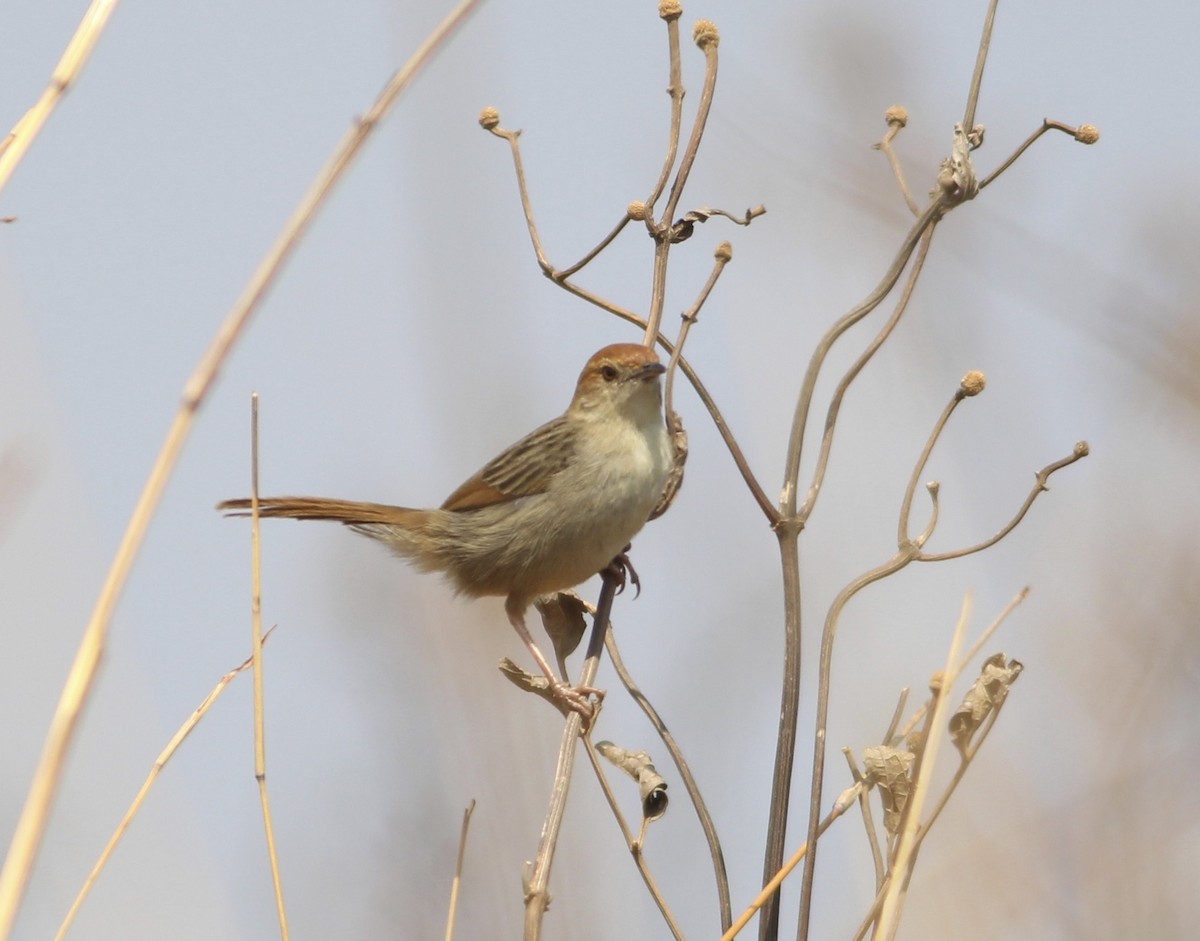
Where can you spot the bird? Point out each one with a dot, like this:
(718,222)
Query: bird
(551,511)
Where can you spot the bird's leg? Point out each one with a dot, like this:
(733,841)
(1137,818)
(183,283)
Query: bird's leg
(620,568)
(575,698)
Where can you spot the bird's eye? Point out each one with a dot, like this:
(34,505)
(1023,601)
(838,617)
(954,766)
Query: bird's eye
(608,372)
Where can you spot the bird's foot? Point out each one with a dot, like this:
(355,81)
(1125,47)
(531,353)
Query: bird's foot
(620,570)
(585,700)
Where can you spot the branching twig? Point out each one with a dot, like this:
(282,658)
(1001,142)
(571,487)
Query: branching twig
(722,256)
(941,686)
(706,37)
(985,45)
(670,11)
(908,550)
(159,763)
(971,385)
(929,218)
(591,255)
(897,118)
(685,774)
(864,805)
(537,883)
(835,401)
(1080,451)
(632,843)
(1085,134)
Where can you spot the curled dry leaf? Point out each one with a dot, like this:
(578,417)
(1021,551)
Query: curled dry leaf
(638,765)
(530,682)
(985,696)
(679,445)
(563,618)
(683,228)
(890,770)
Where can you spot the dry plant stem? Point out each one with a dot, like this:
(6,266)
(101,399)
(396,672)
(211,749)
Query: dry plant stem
(662,228)
(789,713)
(923,831)
(890,567)
(34,815)
(902,537)
(676,91)
(933,212)
(907,551)
(526,204)
(1047,125)
(772,886)
(260,748)
(65,74)
(606,788)
(559,276)
(458,868)
(689,317)
(960,771)
(965,760)
(159,763)
(896,717)
(685,775)
(537,894)
(693,145)
(885,927)
(634,844)
(885,145)
(839,394)
(895,737)
(658,289)
(787,525)
(985,43)
(864,805)
(1080,452)
(586,259)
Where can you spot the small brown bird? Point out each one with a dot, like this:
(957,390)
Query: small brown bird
(550,512)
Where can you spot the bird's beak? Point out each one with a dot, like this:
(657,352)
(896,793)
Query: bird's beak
(650,371)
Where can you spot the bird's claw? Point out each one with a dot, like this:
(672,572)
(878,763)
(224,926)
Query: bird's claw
(620,570)
(585,700)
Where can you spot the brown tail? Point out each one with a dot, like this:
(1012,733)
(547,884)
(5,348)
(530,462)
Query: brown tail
(321,508)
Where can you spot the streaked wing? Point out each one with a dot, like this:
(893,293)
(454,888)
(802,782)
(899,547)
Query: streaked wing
(525,468)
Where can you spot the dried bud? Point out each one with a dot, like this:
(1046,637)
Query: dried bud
(973,383)
(896,116)
(636,210)
(705,34)
(1082,449)
(670,9)
(724,252)
(489,118)
(1087,133)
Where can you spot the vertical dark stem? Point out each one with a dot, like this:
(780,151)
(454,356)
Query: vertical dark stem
(789,709)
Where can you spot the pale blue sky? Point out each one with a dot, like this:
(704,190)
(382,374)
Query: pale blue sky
(413,336)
